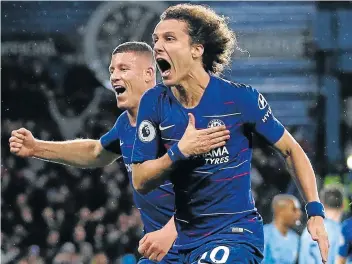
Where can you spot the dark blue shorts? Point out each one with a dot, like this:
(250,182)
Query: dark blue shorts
(221,252)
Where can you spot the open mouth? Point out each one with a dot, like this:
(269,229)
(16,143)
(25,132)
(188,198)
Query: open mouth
(164,66)
(119,89)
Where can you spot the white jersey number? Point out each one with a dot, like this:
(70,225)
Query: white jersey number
(213,253)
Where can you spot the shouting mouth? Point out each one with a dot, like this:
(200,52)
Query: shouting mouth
(164,67)
(119,89)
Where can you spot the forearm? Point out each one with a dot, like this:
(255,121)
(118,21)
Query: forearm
(302,171)
(170,227)
(148,175)
(78,153)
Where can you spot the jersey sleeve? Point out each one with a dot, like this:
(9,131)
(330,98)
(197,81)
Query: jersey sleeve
(146,144)
(257,112)
(110,141)
(345,245)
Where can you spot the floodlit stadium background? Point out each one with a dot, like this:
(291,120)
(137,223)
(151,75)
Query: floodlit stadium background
(54,81)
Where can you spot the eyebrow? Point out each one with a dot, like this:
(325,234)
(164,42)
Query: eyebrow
(119,65)
(165,33)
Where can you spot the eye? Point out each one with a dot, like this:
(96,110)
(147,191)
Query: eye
(170,38)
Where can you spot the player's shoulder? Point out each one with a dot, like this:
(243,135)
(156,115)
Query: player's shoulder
(233,85)
(239,91)
(122,119)
(155,92)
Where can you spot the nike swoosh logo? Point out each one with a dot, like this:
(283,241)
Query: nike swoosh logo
(164,128)
(121,143)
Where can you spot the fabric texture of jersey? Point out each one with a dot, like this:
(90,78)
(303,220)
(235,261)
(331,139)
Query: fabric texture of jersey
(213,191)
(280,249)
(309,250)
(345,249)
(156,207)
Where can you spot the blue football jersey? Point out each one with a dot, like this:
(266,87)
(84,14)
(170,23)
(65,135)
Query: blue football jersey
(280,249)
(345,249)
(212,191)
(309,252)
(156,207)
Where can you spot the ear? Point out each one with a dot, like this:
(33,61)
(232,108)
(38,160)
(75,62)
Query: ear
(149,74)
(197,51)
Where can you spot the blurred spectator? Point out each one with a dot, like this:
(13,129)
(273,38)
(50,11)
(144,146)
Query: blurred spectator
(67,255)
(34,255)
(99,258)
(52,243)
(280,241)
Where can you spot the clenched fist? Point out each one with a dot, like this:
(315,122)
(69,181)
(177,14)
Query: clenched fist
(22,143)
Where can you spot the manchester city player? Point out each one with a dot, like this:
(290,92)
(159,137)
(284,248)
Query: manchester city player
(280,240)
(132,72)
(218,221)
(345,249)
(332,198)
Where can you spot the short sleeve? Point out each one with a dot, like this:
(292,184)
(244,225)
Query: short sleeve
(257,111)
(146,145)
(110,141)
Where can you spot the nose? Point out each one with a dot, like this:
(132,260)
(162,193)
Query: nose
(115,76)
(158,47)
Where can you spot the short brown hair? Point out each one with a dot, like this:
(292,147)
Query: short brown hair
(332,196)
(133,46)
(207,28)
(137,47)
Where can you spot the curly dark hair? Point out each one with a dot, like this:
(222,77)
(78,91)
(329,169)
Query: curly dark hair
(209,29)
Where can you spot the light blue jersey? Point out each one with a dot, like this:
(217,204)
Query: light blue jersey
(309,252)
(280,249)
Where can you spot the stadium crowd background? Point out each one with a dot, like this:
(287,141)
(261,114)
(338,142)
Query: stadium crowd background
(54,72)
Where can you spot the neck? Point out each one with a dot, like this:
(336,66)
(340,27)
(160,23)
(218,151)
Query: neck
(132,116)
(191,88)
(283,229)
(333,214)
